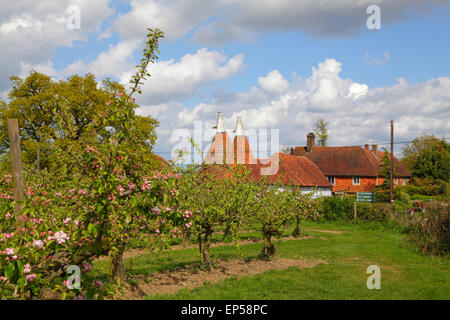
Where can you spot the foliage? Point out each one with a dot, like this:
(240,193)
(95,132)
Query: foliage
(214,195)
(303,206)
(434,163)
(419,145)
(37,101)
(335,208)
(431,233)
(98,195)
(385,171)
(271,212)
(321,131)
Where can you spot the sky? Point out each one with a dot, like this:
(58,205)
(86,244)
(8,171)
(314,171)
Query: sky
(279,64)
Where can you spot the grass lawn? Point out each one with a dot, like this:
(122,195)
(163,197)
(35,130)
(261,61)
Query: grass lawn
(405,273)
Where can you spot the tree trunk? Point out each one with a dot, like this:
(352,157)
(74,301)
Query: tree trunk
(186,238)
(204,249)
(116,264)
(227,231)
(269,248)
(298,227)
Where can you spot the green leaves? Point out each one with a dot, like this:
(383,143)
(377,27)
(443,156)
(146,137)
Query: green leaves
(92,229)
(9,271)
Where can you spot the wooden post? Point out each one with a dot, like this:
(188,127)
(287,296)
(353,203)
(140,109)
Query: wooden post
(16,161)
(38,165)
(354,209)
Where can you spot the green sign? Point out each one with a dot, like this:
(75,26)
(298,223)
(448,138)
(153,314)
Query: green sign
(365,197)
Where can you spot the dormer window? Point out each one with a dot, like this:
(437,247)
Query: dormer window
(332,180)
(355,180)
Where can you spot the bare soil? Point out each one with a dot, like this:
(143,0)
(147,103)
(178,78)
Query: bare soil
(191,277)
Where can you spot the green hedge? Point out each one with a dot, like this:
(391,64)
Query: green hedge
(342,209)
(335,208)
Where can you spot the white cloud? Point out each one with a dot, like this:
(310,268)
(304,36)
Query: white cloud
(175,18)
(30,31)
(357,114)
(173,80)
(170,79)
(116,62)
(327,90)
(274,81)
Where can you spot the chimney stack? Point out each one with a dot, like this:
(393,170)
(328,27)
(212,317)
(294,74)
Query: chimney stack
(366,146)
(310,138)
(374,148)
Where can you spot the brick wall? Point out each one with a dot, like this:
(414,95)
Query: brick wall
(366,184)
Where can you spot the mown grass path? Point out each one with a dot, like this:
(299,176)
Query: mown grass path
(405,273)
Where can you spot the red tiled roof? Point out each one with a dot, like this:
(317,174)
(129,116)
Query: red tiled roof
(340,161)
(399,168)
(348,161)
(162,161)
(289,170)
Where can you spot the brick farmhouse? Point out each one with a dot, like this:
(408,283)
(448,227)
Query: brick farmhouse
(285,168)
(351,169)
(327,169)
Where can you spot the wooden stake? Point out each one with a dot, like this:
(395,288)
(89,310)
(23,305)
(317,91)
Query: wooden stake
(38,165)
(354,209)
(16,162)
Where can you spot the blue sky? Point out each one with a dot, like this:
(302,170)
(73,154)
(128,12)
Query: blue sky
(253,59)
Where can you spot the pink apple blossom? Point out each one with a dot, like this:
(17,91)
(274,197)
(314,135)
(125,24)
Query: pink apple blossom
(30,277)
(60,237)
(26,269)
(38,243)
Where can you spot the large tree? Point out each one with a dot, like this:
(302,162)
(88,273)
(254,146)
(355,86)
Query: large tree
(434,163)
(321,131)
(37,99)
(412,151)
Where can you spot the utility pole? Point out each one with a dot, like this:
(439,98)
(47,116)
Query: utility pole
(392,161)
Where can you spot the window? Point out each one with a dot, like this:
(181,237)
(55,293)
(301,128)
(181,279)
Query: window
(404,181)
(332,180)
(396,181)
(356,180)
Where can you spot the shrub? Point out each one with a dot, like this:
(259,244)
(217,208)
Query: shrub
(373,212)
(431,233)
(404,198)
(334,208)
